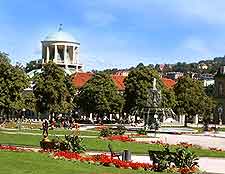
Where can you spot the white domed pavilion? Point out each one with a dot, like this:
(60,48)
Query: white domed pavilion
(61,48)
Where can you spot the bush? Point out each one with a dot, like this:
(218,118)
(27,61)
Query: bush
(120,130)
(182,159)
(142,132)
(73,143)
(105,132)
(163,159)
(185,158)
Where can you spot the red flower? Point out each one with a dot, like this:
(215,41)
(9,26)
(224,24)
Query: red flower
(123,138)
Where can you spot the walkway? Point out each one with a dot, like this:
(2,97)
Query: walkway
(201,140)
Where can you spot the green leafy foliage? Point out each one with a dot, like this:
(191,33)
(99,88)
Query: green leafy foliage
(138,83)
(142,131)
(13,81)
(73,143)
(105,132)
(191,98)
(120,130)
(100,96)
(32,65)
(162,159)
(53,90)
(183,157)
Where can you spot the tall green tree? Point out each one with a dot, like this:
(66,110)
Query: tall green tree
(53,90)
(4,58)
(100,96)
(138,84)
(13,81)
(191,98)
(168,98)
(32,65)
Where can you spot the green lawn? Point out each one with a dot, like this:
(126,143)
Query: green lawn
(55,132)
(37,163)
(94,144)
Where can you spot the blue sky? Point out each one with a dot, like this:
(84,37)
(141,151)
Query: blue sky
(117,33)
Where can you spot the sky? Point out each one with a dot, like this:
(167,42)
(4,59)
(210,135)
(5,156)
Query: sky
(117,33)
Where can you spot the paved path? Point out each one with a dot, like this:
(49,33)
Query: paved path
(209,165)
(201,140)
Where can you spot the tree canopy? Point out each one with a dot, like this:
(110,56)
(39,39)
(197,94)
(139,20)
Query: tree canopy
(13,81)
(191,98)
(53,90)
(138,83)
(100,96)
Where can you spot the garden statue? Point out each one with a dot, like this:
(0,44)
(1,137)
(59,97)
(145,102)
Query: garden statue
(45,128)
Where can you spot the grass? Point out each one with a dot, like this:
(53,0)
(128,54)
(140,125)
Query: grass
(54,132)
(37,163)
(94,144)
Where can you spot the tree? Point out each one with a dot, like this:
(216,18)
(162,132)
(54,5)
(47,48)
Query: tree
(207,107)
(190,97)
(138,83)
(53,90)
(13,81)
(4,58)
(100,96)
(209,90)
(32,65)
(168,98)
(29,101)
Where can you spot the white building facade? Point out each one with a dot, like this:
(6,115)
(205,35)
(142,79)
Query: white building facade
(61,48)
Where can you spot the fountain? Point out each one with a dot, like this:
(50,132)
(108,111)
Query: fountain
(152,114)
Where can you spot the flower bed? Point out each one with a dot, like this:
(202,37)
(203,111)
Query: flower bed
(137,135)
(123,138)
(216,149)
(14,148)
(104,160)
(100,127)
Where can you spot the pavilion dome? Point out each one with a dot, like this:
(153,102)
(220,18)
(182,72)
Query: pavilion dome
(60,36)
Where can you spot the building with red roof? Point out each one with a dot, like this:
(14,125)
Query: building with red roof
(81,78)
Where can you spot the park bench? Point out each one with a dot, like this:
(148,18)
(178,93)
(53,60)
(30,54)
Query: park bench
(114,154)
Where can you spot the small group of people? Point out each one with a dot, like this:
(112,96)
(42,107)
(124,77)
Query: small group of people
(58,122)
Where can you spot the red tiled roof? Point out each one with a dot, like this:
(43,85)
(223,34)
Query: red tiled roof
(119,82)
(169,83)
(81,78)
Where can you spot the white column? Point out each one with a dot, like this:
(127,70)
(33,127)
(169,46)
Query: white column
(65,55)
(77,55)
(47,54)
(74,55)
(56,53)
